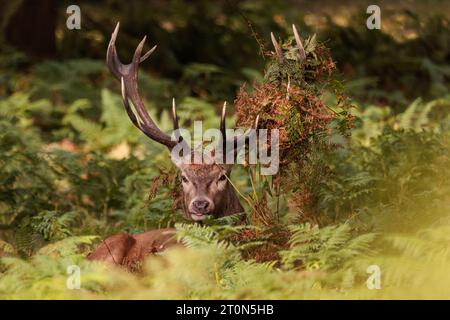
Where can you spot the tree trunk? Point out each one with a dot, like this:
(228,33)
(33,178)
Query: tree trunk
(31,26)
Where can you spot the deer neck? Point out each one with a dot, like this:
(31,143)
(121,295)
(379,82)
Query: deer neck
(231,204)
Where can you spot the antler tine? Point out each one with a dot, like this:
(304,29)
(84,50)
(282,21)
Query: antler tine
(249,132)
(223,129)
(174,115)
(148,53)
(136,121)
(255,126)
(299,44)
(176,125)
(127,105)
(277,48)
(222,120)
(127,73)
(112,60)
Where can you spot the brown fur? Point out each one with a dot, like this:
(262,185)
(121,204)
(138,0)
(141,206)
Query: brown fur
(204,183)
(129,251)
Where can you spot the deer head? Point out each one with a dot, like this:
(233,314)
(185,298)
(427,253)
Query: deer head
(206,187)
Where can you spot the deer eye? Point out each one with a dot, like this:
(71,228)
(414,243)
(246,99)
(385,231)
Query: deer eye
(222,178)
(184,179)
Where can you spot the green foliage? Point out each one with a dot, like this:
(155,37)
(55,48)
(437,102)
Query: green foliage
(327,248)
(214,270)
(106,133)
(45,272)
(68,81)
(419,115)
(51,225)
(44,185)
(400,177)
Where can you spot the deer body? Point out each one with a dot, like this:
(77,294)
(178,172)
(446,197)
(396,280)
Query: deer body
(129,251)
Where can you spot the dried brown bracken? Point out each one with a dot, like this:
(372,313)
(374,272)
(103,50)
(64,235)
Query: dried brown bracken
(290,100)
(297,113)
(274,240)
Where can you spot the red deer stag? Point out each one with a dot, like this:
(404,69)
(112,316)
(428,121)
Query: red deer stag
(206,189)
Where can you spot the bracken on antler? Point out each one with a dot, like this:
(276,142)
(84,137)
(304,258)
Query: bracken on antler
(297,115)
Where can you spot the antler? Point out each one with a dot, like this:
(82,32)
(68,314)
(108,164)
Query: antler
(127,74)
(277,48)
(298,41)
(299,44)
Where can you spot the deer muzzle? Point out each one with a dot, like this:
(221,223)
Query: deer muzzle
(199,208)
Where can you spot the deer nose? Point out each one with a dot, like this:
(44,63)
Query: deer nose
(201,205)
